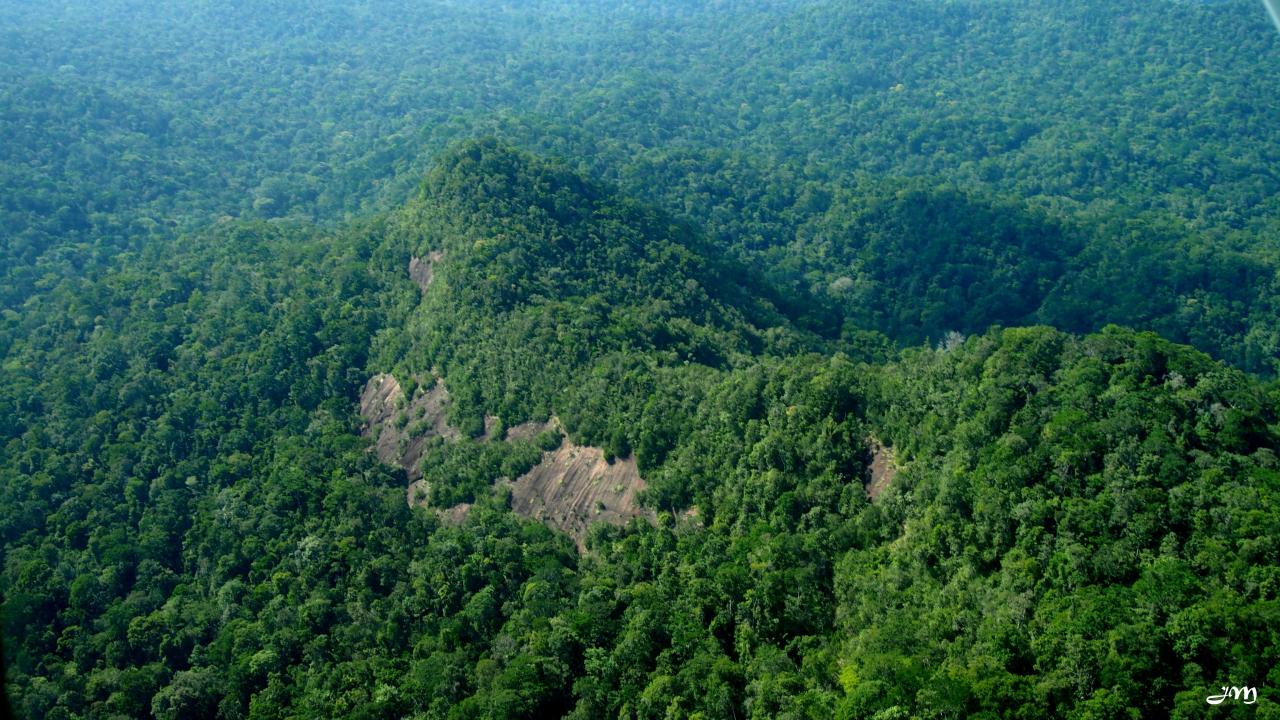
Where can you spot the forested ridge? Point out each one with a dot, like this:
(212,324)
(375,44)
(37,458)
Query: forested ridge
(755,119)
(943,336)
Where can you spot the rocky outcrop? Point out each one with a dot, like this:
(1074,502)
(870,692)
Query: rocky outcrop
(422,270)
(881,470)
(574,486)
(529,430)
(401,426)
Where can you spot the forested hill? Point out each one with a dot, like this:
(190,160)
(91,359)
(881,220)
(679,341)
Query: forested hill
(540,274)
(1070,526)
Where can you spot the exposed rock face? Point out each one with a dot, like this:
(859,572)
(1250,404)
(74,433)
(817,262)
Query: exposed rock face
(378,403)
(529,430)
(882,469)
(418,493)
(400,439)
(422,271)
(574,486)
(490,427)
(457,514)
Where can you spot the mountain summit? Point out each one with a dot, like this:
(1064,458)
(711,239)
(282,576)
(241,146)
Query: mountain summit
(537,273)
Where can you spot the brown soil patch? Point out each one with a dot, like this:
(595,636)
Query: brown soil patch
(574,487)
(422,271)
(382,404)
(882,470)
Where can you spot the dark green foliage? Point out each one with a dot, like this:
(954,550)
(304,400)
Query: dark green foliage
(753,204)
(916,263)
(6,712)
(462,471)
(1079,524)
(1066,522)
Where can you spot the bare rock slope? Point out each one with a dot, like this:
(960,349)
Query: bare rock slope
(882,470)
(422,270)
(574,486)
(400,425)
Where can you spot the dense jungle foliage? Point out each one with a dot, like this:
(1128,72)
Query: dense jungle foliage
(1029,246)
(1129,156)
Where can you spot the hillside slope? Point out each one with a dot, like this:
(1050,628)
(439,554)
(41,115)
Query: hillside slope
(545,277)
(201,529)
